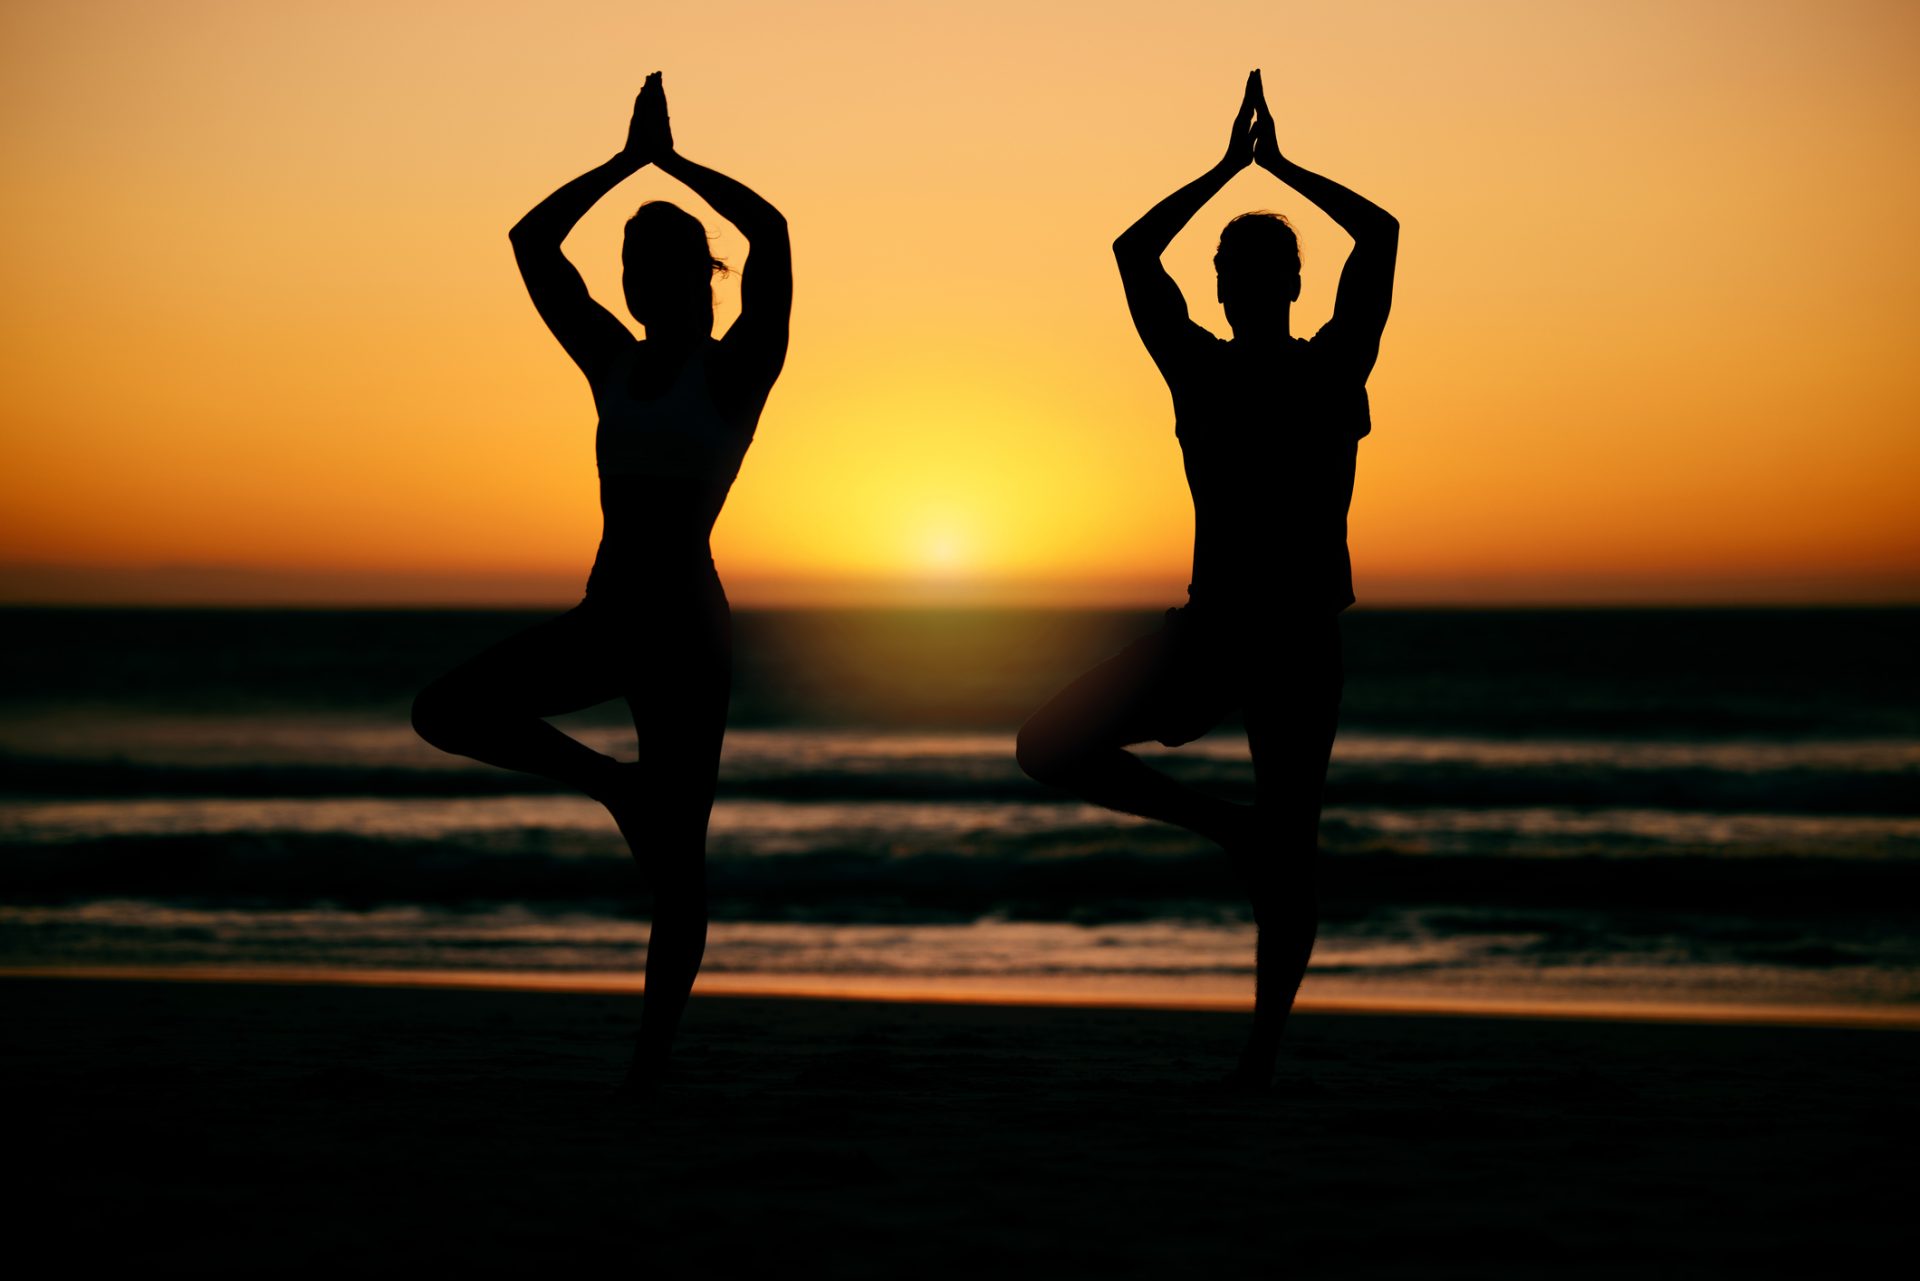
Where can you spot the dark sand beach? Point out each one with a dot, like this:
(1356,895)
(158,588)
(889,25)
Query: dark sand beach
(264,1127)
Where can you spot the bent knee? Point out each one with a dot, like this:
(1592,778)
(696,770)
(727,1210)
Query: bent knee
(439,719)
(1044,754)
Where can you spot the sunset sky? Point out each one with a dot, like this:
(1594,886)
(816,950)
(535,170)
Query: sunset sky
(1653,338)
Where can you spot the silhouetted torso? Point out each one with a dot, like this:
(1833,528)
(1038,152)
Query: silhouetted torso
(1269,439)
(668,448)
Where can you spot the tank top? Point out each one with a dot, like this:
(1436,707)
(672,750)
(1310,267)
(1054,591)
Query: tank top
(680,432)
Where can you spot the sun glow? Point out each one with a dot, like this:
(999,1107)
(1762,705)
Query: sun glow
(943,549)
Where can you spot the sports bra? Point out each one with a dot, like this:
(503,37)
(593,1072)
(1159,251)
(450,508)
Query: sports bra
(680,432)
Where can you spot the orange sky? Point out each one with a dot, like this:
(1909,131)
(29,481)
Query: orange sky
(1653,336)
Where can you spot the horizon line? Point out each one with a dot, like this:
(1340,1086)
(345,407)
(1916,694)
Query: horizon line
(214,586)
(1368,606)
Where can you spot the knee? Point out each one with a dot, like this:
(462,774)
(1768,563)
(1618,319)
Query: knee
(677,878)
(1044,754)
(1286,906)
(438,719)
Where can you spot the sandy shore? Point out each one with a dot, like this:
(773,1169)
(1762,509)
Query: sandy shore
(249,1127)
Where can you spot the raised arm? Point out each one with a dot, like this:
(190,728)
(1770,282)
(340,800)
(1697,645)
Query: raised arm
(1159,309)
(589,332)
(1366,282)
(757,342)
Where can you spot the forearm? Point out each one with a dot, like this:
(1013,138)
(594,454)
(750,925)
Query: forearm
(549,221)
(1159,225)
(734,201)
(1356,215)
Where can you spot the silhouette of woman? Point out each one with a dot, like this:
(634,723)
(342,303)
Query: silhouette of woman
(1268,427)
(677,411)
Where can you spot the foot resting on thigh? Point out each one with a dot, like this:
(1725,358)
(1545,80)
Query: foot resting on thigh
(621,792)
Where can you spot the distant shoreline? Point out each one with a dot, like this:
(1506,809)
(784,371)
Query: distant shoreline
(922,991)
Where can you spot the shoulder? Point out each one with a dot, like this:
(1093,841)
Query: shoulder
(615,365)
(1193,365)
(1199,347)
(1331,348)
(721,358)
(733,381)
(1340,389)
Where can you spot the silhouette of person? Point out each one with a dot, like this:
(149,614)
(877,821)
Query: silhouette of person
(1268,426)
(677,411)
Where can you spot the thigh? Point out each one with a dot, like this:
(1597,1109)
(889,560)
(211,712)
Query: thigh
(1154,690)
(561,665)
(1291,719)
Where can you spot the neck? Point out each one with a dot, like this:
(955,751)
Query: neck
(677,338)
(1265,333)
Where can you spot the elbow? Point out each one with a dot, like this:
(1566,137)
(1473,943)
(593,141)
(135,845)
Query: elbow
(1138,246)
(530,243)
(767,228)
(1379,232)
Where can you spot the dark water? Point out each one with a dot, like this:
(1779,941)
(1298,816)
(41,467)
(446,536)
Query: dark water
(1832,673)
(1653,805)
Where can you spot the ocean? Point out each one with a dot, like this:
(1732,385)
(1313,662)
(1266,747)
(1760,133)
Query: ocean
(1706,810)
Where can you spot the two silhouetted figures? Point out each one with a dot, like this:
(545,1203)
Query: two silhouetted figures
(1268,427)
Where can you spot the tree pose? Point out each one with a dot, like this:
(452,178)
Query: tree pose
(1268,426)
(677,411)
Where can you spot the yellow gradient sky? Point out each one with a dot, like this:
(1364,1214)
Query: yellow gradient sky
(1653,338)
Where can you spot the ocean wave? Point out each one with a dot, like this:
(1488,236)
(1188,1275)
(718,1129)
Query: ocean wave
(1789,790)
(769,828)
(1545,955)
(1066,875)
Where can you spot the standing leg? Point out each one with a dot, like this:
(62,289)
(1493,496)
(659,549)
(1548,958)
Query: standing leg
(1290,729)
(681,719)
